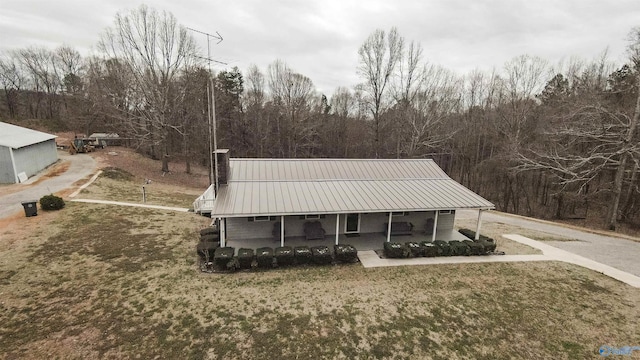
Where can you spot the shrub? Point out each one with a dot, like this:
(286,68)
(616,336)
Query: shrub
(321,255)
(345,253)
(395,250)
(264,257)
(51,202)
(489,245)
(223,256)
(208,231)
(210,237)
(458,248)
(475,248)
(444,247)
(430,249)
(284,255)
(206,250)
(302,254)
(414,249)
(245,258)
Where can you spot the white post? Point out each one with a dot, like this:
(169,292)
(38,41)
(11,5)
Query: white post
(282,230)
(223,232)
(478,224)
(337,227)
(389,227)
(435,226)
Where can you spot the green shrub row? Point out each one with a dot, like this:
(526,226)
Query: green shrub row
(437,248)
(488,243)
(222,258)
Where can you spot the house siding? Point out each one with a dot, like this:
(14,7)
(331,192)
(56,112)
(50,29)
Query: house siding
(241,228)
(33,158)
(7,175)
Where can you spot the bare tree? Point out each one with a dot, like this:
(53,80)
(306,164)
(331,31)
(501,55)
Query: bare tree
(156,50)
(379,56)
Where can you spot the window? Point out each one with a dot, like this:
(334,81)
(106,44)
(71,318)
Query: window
(261,218)
(312,217)
(447,212)
(400,213)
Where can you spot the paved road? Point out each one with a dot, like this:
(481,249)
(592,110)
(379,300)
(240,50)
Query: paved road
(619,253)
(80,166)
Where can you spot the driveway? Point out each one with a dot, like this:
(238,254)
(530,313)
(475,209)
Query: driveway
(80,166)
(617,252)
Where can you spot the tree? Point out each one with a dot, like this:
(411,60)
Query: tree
(379,55)
(155,50)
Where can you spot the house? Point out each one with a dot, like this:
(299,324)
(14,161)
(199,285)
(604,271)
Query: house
(265,198)
(24,152)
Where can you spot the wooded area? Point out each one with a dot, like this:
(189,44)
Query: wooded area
(551,141)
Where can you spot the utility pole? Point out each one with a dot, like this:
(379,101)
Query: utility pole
(211,108)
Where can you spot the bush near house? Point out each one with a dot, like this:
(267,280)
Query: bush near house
(302,255)
(321,255)
(264,257)
(488,243)
(223,256)
(345,253)
(459,248)
(245,258)
(475,248)
(414,249)
(394,250)
(284,256)
(206,250)
(445,248)
(51,202)
(430,249)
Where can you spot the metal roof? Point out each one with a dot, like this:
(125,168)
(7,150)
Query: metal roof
(316,186)
(16,137)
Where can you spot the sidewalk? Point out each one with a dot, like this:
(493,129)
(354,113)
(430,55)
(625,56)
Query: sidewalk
(369,259)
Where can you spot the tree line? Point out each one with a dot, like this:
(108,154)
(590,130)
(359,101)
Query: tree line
(539,139)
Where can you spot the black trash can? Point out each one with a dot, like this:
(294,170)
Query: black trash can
(30,208)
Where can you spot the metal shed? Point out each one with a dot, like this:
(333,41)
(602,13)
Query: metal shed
(25,151)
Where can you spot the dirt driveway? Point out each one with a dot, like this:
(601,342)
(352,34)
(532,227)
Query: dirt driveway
(617,252)
(68,170)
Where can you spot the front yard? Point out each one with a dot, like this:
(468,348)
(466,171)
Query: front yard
(98,281)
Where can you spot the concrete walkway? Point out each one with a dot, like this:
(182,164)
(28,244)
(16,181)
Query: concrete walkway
(370,259)
(80,166)
(146,206)
(616,250)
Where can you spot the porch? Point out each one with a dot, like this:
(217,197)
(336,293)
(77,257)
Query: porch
(363,241)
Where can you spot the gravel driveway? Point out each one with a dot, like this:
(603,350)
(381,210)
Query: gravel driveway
(617,252)
(80,166)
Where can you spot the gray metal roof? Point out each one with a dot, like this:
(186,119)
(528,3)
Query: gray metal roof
(16,136)
(316,186)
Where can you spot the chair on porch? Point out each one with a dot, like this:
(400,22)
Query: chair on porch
(276,231)
(313,230)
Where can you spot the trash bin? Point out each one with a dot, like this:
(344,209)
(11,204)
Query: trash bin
(30,208)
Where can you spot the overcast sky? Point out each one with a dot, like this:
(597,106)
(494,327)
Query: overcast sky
(320,39)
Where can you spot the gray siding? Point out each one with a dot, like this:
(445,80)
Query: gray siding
(241,228)
(33,158)
(6,167)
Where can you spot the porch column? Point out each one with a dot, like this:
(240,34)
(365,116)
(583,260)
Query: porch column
(223,232)
(281,230)
(337,227)
(435,226)
(389,227)
(478,224)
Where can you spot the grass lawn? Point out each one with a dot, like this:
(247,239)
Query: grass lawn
(98,281)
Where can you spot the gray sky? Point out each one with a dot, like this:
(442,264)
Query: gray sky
(320,39)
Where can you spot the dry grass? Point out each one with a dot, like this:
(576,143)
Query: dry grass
(496,230)
(98,281)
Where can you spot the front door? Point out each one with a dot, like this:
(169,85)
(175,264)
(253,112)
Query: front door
(352,225)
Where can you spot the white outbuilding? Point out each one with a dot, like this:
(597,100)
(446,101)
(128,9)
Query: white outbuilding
(24,152)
